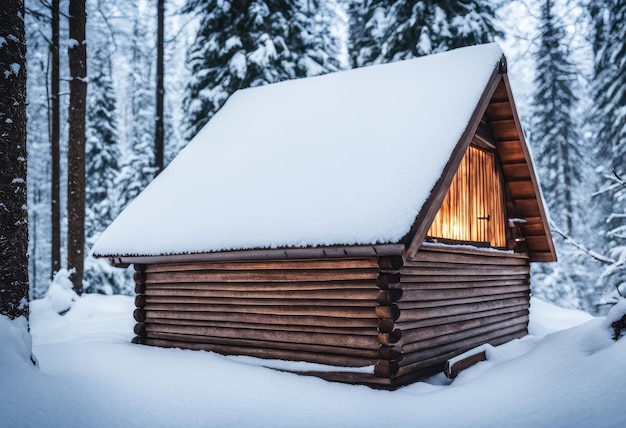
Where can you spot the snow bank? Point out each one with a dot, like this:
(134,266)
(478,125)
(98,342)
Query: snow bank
(345,158)
(60,295)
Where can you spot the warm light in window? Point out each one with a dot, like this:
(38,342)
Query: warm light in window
(473,209)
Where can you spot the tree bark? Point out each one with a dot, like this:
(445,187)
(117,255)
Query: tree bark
(55,144)
(160,91)
(77,52)
(13,208)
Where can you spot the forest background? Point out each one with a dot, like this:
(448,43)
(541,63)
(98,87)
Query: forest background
(567,62)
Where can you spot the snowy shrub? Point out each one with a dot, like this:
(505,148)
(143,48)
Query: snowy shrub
(616,319)
(60,296)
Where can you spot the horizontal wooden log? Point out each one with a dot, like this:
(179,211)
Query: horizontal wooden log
(461,344)
(229,301)
(439,360)
(451,301)
(424,313)
(417,295)
(430,279)
(451,252)
(369,294)
(262,276)
(250,344)
(315,319)
(426,334)
(219,323)
(452,370)
(493,282)
(265,286)
(386,369)
(354,378)
(320,311)
(299,337)
(428,322)
(468,271)
(266,353)
(344,263)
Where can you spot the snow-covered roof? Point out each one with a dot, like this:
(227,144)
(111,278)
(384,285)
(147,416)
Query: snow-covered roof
(341,159)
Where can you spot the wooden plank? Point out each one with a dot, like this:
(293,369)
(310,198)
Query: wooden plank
(369,329)
(426,334)
(277,335)
(264,276)
(424,304)
(504,130)
(455,293)
(492,282)
(541,256)
(244,302)
(342,321)
(459,278)
(521,190)
(267,353)
(452,370)
(455,249)
(510,151)
(245,343)
(499,110)
(267,286)
(268,265)
(462,343)
(469,271)
(329,311)
(408,315)
(368,294)
(518,310)
(537,244)
(516,171)
(527,207)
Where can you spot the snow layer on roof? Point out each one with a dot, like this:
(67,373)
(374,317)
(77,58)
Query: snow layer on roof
(340,159)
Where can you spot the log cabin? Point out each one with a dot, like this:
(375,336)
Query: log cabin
(373,223)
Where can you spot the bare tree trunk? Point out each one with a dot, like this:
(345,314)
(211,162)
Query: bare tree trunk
(13,208)
(76,148)
(159,131)
(55,144)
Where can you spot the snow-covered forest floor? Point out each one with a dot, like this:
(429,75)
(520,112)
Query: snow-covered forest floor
(567,373)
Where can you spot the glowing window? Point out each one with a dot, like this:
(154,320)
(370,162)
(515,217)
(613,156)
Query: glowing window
(473,210)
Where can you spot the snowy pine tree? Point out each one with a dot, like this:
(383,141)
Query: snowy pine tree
(608,21)
(403,29)
(246,44)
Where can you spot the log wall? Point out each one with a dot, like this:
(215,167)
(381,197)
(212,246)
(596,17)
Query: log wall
(455,299)
(403,318)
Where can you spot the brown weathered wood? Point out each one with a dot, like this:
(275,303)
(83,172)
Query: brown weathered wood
(140,288)
(386,281)
(265,286)
(343,321)
(517,171)
(450,252)
(267,353)
(276,335)
(499,110)
(386,325)
(387,297)
(391,338)
(386,369)
(140,329)
(439,360)
(521,189)
(469,271)
(421,350)
(420,314)
(452,370)
(140,300)
(451,301)
(431,279)
(455,293)
(268,265)
(390,264)
(320,311)
(518,310)
(390,352)
(354,378)
(510,151)
(264,276)
(139,315)
(427,333)
(271,346)
(504,130)
(388,312)
(370,294)
(492,282)
(294,301)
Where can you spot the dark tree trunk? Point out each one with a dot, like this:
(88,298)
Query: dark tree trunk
(159,131)
(76,148)
(13,212)
(55,143)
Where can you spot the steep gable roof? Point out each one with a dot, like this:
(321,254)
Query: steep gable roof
(356,157)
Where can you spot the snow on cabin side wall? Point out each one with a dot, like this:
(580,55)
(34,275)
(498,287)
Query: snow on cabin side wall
(328,160)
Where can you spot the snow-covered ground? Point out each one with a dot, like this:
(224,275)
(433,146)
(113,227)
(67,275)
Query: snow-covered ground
(567,373)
